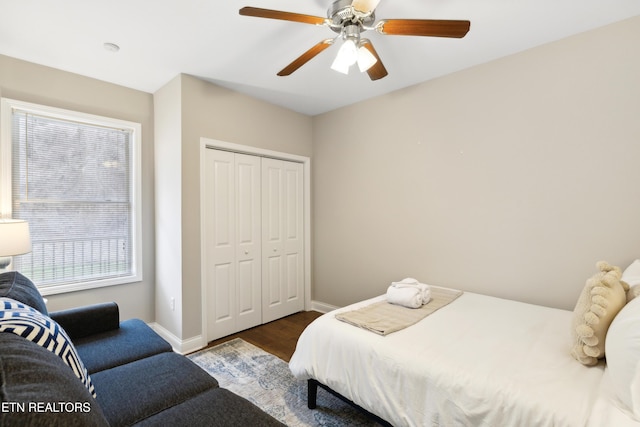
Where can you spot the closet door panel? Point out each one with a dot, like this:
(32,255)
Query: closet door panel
(248,241)
(272,202)
(293,277)
(232,242)
(246,293)
(219,235)
(282,215)
(293,238)
(223,300)
(273,245)
(271,288)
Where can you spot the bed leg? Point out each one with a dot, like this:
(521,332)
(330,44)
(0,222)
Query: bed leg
(312,393)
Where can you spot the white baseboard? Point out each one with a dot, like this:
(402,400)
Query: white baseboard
(322,307)
(179,346)
(195,343)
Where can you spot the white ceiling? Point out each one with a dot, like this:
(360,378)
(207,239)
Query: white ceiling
(209,39)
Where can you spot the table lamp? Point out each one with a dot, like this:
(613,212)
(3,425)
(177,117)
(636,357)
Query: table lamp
(14,240)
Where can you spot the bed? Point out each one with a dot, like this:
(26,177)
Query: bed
(478,361)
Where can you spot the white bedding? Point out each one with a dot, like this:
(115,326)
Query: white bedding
(480,361)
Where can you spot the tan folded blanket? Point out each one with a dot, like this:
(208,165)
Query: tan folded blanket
(384,318)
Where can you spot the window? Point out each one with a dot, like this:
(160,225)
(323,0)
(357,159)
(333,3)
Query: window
(76,179)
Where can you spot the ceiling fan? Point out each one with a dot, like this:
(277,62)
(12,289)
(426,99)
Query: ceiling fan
(350,18)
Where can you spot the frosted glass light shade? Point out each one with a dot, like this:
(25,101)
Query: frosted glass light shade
(366,59)
(365,5)
(347,56)
(14,237)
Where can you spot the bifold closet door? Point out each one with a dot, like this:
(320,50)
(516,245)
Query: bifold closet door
(232,242)
(282,239)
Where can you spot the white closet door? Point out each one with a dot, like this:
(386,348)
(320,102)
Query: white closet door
(248,241)
(282,239)
(232,242)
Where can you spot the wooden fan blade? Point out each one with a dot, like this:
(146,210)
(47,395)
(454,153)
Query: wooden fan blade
(377,70)
(424,27)
(305,57)
(285,16)
(365,6)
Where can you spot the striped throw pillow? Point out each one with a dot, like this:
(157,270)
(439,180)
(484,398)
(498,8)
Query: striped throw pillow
(29,323)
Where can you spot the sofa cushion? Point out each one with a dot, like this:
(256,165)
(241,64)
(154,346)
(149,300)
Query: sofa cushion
(29,323)
(214,408)
(133,340)
(135,391)
(40,390)
(18,287)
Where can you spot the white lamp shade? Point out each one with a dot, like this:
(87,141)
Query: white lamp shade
(365,6)
(365,59)
(14,237)
(347,56)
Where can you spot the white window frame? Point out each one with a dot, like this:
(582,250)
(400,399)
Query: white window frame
(6,111)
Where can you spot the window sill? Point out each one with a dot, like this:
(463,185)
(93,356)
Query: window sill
(83,286)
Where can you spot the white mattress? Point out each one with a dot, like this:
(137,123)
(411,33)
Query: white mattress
(480,361)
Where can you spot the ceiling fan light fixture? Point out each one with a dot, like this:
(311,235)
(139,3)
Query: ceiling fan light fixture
(349,18)
(347,56)
(366,59)
(364,6)
(340,67)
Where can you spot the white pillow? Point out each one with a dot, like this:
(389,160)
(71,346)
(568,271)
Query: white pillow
(632,277)
(631,274)
(623,355)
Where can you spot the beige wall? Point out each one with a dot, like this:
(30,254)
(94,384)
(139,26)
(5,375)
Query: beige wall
(213,112)
(168,184)
(512,178)
(29,82)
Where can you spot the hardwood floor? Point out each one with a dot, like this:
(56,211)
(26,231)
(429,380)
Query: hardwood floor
(278,337)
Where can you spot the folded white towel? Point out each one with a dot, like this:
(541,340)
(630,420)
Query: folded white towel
(406,296)
(406,281)
(410,283)
(426,295)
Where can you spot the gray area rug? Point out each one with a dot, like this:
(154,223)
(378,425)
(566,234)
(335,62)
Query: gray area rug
(266,380)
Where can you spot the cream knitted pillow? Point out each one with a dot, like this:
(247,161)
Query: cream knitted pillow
(602,298)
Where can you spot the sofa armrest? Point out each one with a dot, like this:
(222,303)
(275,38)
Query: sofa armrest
(88,320)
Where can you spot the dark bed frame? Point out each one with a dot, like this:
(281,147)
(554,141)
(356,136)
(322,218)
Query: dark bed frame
(312,395)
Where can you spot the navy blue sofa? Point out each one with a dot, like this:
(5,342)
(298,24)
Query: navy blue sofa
(137,378)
